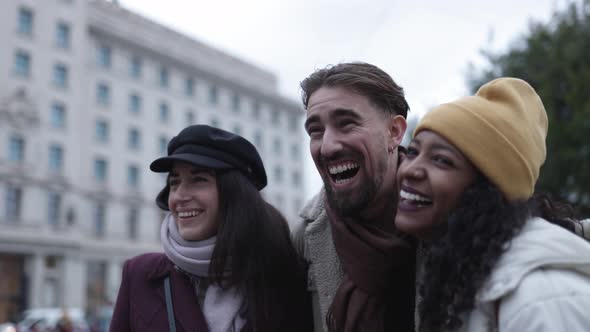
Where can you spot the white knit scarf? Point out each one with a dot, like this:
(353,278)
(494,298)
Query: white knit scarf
(220,305)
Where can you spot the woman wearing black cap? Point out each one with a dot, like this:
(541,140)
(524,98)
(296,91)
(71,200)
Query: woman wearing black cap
(228,262)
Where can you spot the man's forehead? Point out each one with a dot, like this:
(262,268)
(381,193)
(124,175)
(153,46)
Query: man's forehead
(335,97)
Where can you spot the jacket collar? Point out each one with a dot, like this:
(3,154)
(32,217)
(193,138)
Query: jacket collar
(162,267)
(539,244)
(314,214)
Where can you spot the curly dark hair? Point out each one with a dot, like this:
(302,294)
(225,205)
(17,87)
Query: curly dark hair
(479,231)
(363,78)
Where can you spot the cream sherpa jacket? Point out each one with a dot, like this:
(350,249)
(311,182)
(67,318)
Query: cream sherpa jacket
(313,239)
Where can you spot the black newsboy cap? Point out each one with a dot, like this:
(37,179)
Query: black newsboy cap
(213,148)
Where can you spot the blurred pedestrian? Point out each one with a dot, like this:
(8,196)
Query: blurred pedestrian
(64,324)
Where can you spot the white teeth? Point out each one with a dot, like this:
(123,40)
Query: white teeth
(341,168)
(413,197)
(188,214)
(341,181)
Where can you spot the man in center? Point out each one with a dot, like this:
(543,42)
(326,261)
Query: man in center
(361,270)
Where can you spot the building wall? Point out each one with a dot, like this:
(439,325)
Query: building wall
(69,260)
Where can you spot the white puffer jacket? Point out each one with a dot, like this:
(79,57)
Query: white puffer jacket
(542,283)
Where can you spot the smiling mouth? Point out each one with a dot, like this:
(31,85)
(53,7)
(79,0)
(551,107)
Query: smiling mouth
(189,214)
(414,199)
(343,172)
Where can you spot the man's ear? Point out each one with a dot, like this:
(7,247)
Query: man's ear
(397,128)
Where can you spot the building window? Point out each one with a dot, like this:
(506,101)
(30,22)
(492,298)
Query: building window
(275,117)
(103,94)
(134,139)
(279,202)
(62,35)
(56,158)
(189,87)
(277,145)
(190,117)
(25,21)
(258,142)
(164,77)
(133,176)
(237,130)
(278,174)
(256,109)
(16,149)
(214,122)
(296,179)
(135,65)
(100,170)
(163,145)
(294,123)
(60,76)
(13,202)
(58,115)
(99,220)
(103,57)
(22,64)
(54,201)
(133,223)
(134,103)
(102,131)
(213,95)
(297,205)
(164,112)
(295,153)
(236,102)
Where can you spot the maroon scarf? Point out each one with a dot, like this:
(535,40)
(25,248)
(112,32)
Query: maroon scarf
(377,292)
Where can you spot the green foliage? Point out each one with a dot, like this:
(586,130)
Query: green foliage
(554,57)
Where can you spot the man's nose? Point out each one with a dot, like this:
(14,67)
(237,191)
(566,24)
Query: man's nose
(331,143)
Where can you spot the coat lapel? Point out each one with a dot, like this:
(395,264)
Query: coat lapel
(325,270)
(187,313)
(186,308)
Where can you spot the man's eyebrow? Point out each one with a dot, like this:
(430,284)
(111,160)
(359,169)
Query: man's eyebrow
(342,112)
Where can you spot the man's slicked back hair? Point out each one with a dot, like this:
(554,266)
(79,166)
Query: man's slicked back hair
(362,78)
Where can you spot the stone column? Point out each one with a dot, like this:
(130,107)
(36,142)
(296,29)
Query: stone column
(35,272)
(73,281)
(114,270)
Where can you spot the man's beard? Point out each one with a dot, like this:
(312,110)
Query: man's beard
(352,203)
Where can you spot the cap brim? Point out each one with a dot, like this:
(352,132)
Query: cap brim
(164,164)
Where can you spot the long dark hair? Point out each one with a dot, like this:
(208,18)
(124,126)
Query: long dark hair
(254,242)
(479,231)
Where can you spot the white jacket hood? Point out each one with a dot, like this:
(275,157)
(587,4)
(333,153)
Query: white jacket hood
(540,244)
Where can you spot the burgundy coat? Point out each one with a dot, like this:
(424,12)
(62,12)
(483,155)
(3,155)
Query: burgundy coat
(141,304)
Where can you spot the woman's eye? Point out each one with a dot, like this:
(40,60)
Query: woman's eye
(173,183)
(199,179)
(411,152)
(443,160)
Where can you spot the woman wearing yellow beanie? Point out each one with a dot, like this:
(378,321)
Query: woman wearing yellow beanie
(493,258)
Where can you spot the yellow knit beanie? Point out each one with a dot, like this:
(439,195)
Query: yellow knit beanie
(501,130)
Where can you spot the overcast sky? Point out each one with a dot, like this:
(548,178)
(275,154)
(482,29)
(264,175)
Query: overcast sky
(425,45)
